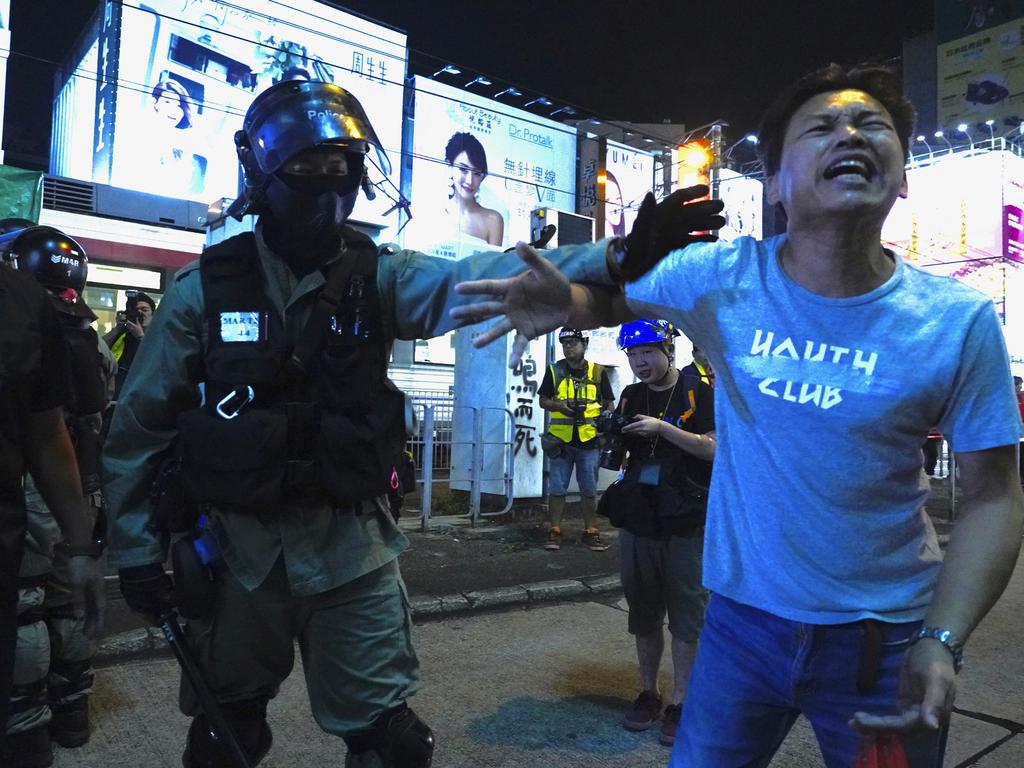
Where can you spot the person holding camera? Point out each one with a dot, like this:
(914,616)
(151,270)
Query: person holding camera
(126,335)
(575,391)
(664,428)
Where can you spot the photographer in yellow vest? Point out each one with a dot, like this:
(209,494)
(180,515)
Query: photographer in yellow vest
(575,392)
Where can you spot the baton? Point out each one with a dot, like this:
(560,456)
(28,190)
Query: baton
(216,724)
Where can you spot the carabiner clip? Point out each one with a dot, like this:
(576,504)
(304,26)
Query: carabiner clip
(250,395)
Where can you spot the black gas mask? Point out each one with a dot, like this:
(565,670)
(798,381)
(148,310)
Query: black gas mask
(307,208)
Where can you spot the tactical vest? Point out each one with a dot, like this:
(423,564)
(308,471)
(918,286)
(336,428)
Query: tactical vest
(270,429)
(88,396)
(569,388)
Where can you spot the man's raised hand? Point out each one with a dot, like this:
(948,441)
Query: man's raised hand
(532,303)
(661,228)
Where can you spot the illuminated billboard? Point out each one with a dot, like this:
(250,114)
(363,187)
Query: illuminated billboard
(479,168)
(629,176)
(981,77)
(962,218)
(176,77)
(744,205)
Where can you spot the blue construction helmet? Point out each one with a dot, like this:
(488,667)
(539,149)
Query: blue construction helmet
(646,332)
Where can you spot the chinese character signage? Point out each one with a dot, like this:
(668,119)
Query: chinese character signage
(479,169)
(176,77)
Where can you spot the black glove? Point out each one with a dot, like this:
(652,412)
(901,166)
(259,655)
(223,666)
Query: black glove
(147,590)
(666,226)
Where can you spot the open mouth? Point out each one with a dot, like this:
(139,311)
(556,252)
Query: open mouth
(851,167)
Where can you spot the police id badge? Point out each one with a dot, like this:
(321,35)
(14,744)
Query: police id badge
(242,327)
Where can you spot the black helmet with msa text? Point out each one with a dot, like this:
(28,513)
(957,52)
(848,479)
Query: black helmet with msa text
(55,260)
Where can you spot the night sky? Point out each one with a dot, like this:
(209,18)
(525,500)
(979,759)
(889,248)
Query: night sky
(635,61)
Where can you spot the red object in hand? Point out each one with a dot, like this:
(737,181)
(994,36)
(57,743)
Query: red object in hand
(882,751)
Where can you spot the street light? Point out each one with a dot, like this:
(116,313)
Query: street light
(544,101)
(566,110)
(478,80)
(941,135)
(750,138)
(448,69)
(923,140)
(962,128)
(991,131)
(510,91)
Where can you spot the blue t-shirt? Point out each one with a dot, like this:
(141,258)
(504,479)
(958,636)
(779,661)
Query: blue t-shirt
(816,509)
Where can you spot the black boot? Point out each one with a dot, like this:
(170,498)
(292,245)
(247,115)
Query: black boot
(28,749)
(70,724)
(249,724)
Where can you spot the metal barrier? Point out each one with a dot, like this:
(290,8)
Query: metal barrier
(431,448)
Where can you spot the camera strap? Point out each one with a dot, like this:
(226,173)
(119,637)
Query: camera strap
(660,416)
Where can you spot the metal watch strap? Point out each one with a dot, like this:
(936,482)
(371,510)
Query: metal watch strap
(945,636)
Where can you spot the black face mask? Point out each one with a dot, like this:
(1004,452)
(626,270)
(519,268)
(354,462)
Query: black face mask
(306,215)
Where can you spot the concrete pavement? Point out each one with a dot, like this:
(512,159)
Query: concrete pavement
(538,686)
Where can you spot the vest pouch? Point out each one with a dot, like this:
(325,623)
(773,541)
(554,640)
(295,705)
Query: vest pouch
(359,451)
(239,462)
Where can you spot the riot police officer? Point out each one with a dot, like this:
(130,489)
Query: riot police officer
(53,656)
(35,362)
(264,378)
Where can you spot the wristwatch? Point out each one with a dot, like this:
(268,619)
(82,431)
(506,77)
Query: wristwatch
(953,643)
(93,549)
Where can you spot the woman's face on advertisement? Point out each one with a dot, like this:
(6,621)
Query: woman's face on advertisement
(168,106)
(466,177)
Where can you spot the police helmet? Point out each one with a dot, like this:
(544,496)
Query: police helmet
(55,260)
(646,332)
(294,115)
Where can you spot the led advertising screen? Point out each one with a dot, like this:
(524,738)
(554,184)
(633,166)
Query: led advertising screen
(187,70)
(479,168)
(744,205)
(962,219)
(629,175)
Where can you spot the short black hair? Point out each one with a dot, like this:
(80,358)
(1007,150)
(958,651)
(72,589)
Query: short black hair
(178,90)
(878,81)
(470,144)
(146,299)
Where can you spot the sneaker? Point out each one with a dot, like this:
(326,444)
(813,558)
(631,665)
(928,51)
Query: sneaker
(670,724)
(70,724)
(644,713)
(28,749)
(592,541)
(554,539)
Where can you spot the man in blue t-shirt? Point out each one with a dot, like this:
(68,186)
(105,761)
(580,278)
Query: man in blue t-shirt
(830,352)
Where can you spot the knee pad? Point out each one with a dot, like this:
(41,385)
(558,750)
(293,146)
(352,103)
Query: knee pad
(248,721)
(398,737)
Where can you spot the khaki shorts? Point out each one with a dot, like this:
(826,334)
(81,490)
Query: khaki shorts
(663,576)
(355,642)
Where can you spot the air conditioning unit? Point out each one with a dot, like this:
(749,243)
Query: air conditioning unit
(570,228)
(86,197)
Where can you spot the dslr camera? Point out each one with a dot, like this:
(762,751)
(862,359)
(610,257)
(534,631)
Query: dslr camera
(613,451)
(131,307)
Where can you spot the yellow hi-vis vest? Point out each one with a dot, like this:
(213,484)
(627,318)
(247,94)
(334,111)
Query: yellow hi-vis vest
(568,388)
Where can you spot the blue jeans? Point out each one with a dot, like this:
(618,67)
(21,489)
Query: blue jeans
(756,672)
(585,461)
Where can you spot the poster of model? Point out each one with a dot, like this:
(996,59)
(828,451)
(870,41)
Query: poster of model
(479,168)
(629,176)
(187,70)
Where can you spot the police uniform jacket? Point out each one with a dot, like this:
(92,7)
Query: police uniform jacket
(323,546)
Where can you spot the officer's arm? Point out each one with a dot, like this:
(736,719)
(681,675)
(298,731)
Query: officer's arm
(161,384)
(51,462)
(416,289)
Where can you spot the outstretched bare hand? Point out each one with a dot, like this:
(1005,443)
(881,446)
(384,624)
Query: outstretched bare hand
(532,303)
